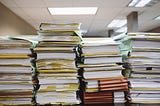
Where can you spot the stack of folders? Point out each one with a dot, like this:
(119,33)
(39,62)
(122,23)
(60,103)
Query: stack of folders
(15,71)
(145,62)
(58,77)
(102,75)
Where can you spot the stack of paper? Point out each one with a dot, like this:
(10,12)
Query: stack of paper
(145,49)
(15,71)
(100,51)
(146,91)
(60,27)
(99,63)
(58,76)
(145,62)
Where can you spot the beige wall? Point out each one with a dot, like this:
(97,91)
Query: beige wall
(11,24)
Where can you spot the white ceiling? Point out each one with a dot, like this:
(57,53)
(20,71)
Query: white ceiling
(36,12)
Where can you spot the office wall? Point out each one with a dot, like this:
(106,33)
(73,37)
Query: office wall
(11,24)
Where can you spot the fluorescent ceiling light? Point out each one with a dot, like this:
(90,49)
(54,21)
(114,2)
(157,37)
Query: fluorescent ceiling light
(142,3)
(157,18)
(139,3)
(73,11)
(117,23)
(133,3)
(122,29)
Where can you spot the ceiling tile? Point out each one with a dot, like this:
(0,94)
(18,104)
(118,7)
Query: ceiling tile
(36,12)
(30,3)
(58,3)
(149,25)
(8,3)
(18,11)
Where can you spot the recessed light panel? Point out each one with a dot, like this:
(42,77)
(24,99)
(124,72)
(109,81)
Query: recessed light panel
(117,23)
(139,3)
(73,11)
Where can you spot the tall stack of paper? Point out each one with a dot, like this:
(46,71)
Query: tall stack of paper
(145,61)
(15,71)
(58,77)
(99,64)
